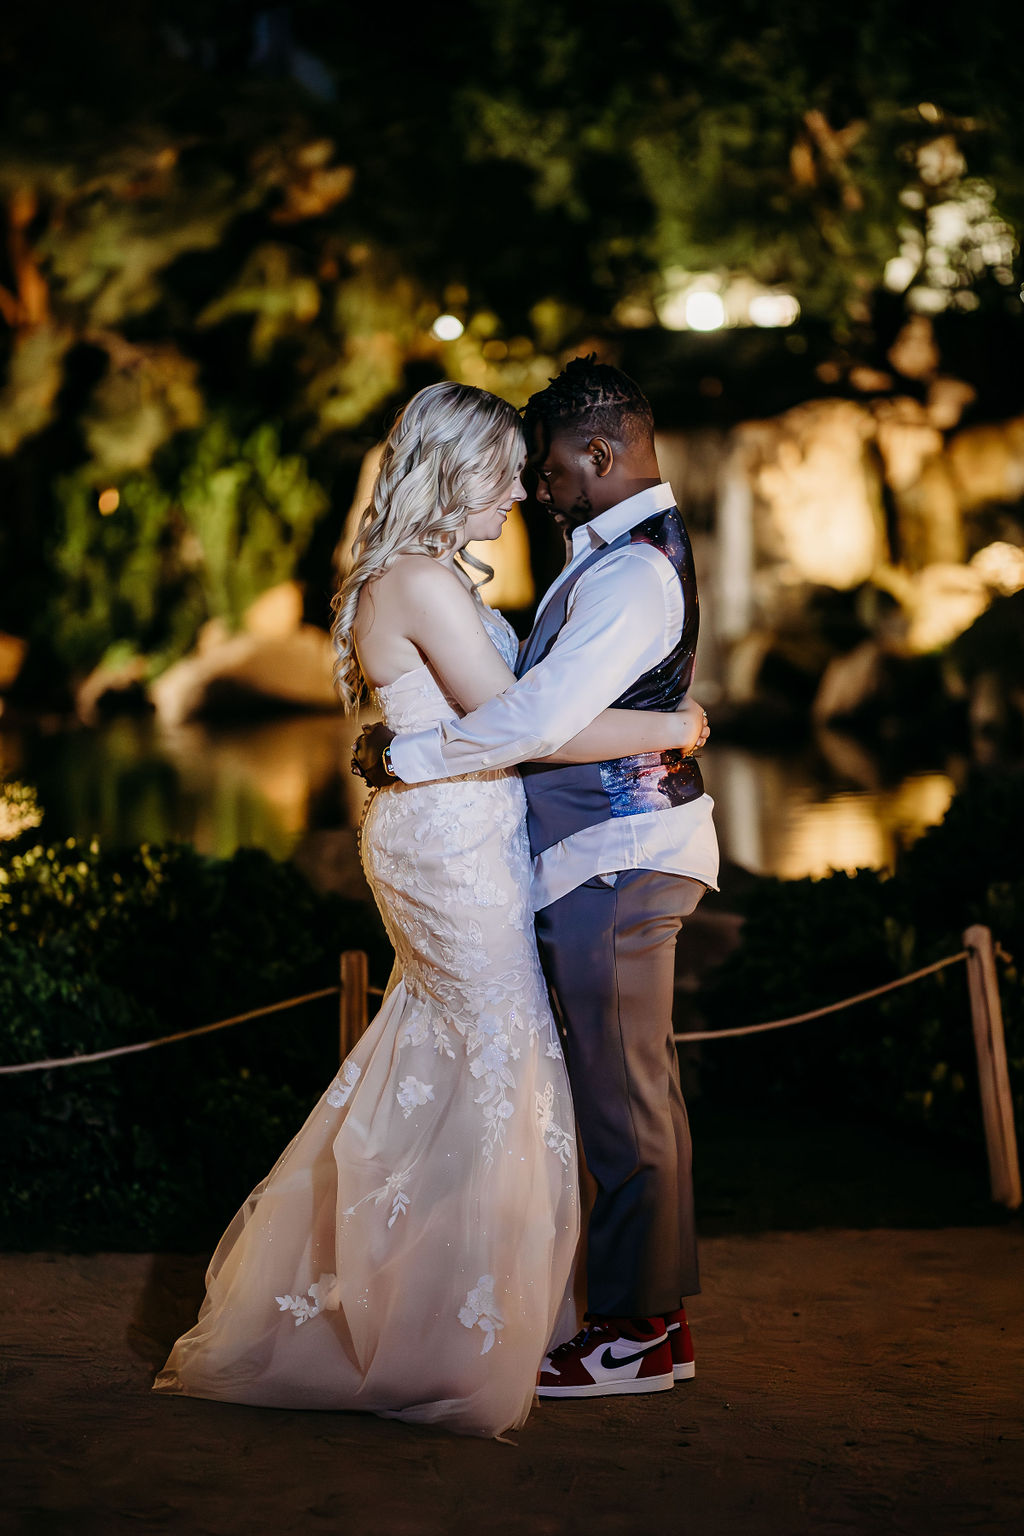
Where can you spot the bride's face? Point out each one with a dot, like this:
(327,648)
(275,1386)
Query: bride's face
(488,524)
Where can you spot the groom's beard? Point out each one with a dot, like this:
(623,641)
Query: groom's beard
(581,512)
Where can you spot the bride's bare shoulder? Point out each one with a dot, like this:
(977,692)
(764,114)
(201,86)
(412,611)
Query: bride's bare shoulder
(414,575)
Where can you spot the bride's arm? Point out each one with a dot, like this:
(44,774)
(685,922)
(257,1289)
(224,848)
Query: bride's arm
(627,732)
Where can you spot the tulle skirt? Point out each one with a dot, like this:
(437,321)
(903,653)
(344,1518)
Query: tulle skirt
(410,1254)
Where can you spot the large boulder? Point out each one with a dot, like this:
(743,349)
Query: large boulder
(987,464)
(276,661)
(246,673)
(818,509)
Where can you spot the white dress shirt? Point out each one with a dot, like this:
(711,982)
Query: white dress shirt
(624,614)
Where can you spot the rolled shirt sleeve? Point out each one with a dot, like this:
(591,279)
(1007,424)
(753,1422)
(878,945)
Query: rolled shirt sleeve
(623,616)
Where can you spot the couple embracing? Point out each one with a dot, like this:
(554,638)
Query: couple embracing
(538,834)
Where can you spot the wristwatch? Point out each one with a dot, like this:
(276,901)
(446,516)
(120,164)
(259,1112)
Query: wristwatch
(385,758)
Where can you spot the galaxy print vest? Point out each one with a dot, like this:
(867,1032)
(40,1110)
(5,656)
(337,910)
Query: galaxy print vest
(564,798)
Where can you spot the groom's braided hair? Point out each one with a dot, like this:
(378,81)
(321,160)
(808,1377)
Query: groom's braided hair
(594,399)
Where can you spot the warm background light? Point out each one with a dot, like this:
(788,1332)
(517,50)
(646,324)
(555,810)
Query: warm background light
(447,328)
(704,312)
(771,310)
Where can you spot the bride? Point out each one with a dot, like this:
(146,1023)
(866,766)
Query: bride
(411,1252)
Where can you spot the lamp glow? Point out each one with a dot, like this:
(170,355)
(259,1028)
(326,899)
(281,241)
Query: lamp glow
(772,310)
(704,311)
(447,328)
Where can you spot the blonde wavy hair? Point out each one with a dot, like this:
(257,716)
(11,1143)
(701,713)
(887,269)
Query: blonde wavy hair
(454,450)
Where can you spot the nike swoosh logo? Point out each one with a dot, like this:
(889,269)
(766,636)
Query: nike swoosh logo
(610,1361)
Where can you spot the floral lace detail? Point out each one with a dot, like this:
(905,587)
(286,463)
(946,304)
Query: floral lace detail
(339,1091)
(559,1140)
(481,1311)
(303,1308)
(392,1189)
(412,1093)
(495,1050)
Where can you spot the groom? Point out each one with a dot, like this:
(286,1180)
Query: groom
(623,852)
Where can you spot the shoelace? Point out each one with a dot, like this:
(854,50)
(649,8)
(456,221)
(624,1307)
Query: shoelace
(591,1330)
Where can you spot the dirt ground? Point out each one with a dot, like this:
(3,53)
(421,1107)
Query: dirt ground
(848,1382)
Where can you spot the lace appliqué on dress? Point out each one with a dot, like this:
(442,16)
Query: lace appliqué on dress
(316,1298)
(339,1091)
(559,1140)
(481,1311)
(392,1189)
(412,1093)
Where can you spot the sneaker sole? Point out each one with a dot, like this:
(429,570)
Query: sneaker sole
(685,1372)
(611,1388)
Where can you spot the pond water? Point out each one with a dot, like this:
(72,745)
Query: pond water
(267,783)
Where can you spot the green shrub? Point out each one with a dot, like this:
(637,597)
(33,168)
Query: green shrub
(101,949)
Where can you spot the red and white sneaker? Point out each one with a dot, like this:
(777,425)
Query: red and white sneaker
(609,1356)
(681,1344)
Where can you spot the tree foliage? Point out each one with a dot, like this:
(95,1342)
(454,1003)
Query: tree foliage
(214,210)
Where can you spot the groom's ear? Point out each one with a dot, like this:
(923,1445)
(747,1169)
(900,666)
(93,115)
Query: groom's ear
(600,456)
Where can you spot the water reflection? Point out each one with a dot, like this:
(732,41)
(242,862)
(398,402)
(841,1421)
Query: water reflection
(221,787)
(794,816)
(268,783)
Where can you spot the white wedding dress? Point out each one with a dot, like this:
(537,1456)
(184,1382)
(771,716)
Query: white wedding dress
(411,1252)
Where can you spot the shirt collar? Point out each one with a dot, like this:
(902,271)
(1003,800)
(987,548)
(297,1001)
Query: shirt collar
(607,526)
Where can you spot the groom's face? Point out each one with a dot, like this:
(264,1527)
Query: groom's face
(568,486)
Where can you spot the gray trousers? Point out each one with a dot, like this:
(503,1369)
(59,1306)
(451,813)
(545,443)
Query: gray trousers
(608,951)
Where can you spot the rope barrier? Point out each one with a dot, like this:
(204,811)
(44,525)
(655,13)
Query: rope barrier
(183,1034)
(980,954)
(817,1013)
(309,997)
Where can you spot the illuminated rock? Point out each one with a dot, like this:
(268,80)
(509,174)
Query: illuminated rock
(939,603)
(906,439)
(118,686)
(849,682)
(820,508)
(243,670)
(947,399)
(928,522)
(1001,567)
(987,463)
(276,612)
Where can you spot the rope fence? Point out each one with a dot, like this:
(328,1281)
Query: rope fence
(819,1013)
(182,1034)
(979,953)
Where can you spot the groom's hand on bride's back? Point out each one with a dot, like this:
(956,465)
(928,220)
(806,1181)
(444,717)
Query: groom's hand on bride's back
(368,755)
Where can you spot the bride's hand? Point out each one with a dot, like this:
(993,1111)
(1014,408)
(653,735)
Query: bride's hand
(696,728)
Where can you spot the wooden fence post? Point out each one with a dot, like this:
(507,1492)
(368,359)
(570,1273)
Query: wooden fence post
(353,1019)
(993,1076)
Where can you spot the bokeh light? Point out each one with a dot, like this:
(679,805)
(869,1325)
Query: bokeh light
(704,311)
(447,328)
